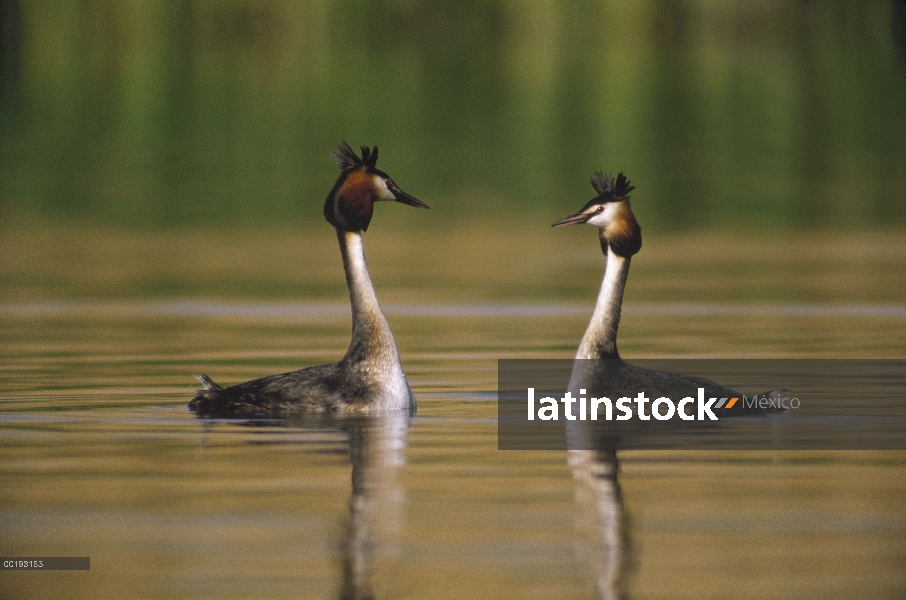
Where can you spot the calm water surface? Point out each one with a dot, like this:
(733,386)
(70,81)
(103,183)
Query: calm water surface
(102,459)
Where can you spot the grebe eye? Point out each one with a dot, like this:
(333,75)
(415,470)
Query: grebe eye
(600,209)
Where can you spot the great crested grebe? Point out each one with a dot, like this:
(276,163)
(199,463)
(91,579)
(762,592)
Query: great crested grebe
(370,376)
(621,238)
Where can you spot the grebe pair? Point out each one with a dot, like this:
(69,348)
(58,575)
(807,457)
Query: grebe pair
(370,377)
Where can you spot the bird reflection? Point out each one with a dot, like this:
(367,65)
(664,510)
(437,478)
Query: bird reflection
(604,533)
(377,446)
(604,541)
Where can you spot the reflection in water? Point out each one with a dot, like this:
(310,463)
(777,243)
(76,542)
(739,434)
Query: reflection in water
(376,450)
(377,445)
(604,532)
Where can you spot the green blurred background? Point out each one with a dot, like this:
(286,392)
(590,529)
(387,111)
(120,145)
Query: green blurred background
(750,115)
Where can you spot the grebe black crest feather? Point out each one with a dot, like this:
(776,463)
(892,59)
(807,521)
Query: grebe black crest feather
(605,185)
(369,156)
(602,183)
(622,188)
(346,158)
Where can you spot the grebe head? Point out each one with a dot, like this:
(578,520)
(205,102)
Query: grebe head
(350,204)
(609,211)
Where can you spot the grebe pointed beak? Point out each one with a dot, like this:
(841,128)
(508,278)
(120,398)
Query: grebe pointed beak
(405,198)
(576,219)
